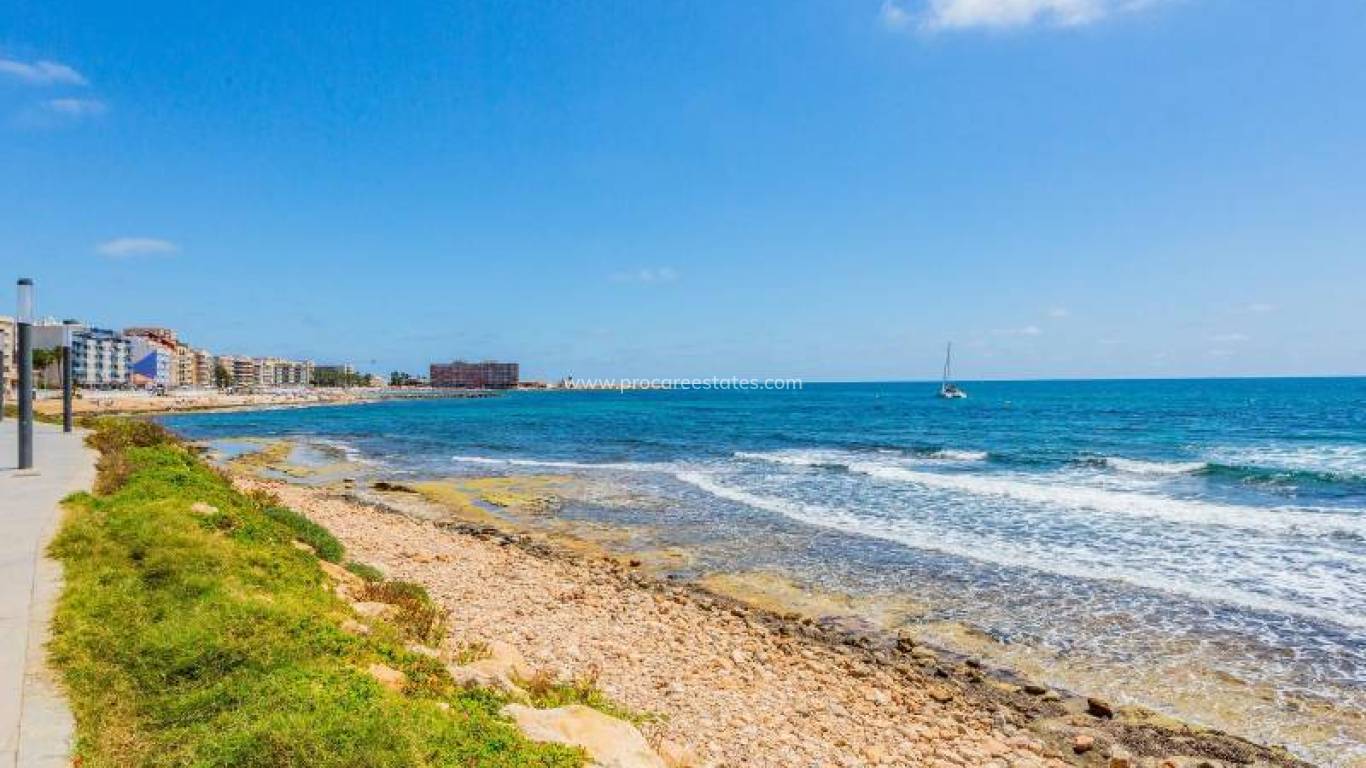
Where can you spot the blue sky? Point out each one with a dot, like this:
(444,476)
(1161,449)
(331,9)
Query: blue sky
(819,189)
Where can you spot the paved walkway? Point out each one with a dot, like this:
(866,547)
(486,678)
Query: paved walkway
(35,723)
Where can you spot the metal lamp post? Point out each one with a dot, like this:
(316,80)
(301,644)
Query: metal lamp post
(24,326)
(68,384)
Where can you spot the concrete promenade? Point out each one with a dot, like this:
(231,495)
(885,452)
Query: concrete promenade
(35,722)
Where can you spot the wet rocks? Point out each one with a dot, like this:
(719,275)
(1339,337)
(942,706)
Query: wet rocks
(1099,708)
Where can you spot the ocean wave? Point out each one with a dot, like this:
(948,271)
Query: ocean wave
(835,459)
(1328,462)
(950,454)
(628,466)
(1143,467)
(1058,560)
(1074,497)
(350,452)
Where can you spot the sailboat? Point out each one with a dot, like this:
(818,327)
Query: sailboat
(947,389)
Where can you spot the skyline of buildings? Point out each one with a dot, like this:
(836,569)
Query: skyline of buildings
(146,357)
(156,358)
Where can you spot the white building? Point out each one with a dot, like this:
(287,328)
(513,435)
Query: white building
(100,358)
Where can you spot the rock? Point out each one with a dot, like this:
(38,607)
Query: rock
(201,508)
(923,654)
(1083,743)
(874,754)
(387,676)
(1052,696)
(677,755)
(302,547)
(1099,708)
(1121,759)
(941,694)
(905,642)
(347,582)
(1034,689)
(475,676)
(609,742)
(506,659)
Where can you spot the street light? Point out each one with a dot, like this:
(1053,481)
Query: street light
(24,326)
(68,384)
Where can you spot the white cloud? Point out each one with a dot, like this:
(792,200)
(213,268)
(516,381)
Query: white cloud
(1228,338)
(1028,330)
(647,275)
(1260,308)
(967,14)
(1059,313)
(76,107)
(125,247)
(894,16)
(41,72)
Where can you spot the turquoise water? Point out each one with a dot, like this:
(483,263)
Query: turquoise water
(1163,541)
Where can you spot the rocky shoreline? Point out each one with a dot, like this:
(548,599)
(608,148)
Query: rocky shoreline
(730,684)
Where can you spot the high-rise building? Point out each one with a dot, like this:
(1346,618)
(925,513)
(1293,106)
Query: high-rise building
(182,366)
(483,375)
(100,358)
(204,365)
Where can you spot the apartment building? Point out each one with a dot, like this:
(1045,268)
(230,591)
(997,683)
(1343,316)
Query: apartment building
(153,361)
(9,380)
(100,358)
(204,365)
(242,369)
(483,375)
(277,372)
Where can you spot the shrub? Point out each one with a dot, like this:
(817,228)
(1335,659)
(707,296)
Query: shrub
(418,617)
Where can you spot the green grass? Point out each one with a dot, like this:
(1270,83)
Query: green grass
(189,639)
(309,532)
(367,572)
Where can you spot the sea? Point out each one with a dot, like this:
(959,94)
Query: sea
(1194,546)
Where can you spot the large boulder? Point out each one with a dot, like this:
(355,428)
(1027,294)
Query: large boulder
(609,742)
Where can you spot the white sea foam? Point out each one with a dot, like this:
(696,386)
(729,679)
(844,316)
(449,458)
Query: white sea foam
(350,452)
(798,457)
(1074,497)
(1340,460)
(811,457)
(949,454)
(626,466)
(1140,467)
(1072,561)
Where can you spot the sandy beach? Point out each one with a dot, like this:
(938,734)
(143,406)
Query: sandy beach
(97,403)
(728,683)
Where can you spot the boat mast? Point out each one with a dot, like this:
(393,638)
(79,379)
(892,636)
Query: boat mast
(948,355)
